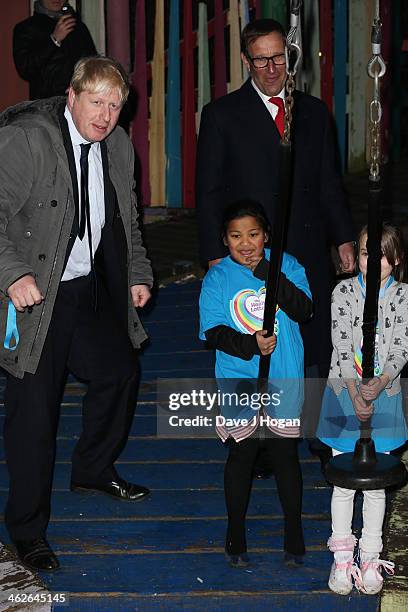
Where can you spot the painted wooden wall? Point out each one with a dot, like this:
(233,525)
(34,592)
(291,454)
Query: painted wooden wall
(13,88)
(336,45)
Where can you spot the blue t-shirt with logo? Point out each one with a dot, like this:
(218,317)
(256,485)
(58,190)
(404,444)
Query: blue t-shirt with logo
(231,295)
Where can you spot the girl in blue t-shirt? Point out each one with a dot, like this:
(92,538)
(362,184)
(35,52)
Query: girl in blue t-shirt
(345,406)
(231,317)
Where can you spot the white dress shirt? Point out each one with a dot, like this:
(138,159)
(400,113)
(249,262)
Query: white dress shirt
(79,263)
(272,108)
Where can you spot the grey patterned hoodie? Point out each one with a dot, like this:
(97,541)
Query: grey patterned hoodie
(347,318)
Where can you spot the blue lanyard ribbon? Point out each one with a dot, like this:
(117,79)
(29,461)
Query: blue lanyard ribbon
(11,328)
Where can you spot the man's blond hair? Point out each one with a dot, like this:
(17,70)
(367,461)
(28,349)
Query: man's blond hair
(99,74)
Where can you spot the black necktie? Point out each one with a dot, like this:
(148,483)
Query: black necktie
(85,213)
(85,217)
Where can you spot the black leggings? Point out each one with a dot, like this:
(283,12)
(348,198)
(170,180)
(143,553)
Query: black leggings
(282,456)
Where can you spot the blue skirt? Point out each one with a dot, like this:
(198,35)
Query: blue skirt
(340,428)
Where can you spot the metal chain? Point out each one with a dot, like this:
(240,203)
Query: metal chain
(290,87)
(375,119)
(376,69)
(292,48)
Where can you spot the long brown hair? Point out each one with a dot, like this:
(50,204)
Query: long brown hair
(392,246)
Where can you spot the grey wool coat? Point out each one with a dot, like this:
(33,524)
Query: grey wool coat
(37,210)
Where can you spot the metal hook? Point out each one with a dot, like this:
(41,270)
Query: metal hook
(293,47)
(376,59)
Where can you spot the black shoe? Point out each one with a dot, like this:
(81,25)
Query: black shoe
(37,554)
(119,488)
(291,560)
(241,560)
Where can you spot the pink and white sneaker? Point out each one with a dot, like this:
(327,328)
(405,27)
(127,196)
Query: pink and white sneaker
(343,569)
(342,572)
(371,578)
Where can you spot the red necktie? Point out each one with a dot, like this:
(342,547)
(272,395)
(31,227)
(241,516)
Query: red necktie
(280,117)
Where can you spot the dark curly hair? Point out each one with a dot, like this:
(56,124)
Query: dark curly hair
(244,208)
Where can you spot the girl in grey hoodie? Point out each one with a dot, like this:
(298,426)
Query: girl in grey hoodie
(345,406)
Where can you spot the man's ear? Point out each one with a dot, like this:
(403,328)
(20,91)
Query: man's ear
(266,238)
(71,97)
(225,241)
(245,61)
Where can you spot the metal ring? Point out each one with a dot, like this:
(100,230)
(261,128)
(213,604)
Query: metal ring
(375,104)
(296,48)
(376,59)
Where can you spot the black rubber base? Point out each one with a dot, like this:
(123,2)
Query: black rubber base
(387,471)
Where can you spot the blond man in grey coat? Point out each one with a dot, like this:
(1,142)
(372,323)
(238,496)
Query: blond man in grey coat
(73,267)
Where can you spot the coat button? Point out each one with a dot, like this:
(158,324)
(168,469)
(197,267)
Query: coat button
(54,203)
(135,325)
(40,204)
(28,234)
(41,257)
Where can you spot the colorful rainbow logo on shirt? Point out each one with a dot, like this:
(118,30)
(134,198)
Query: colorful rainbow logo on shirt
(358,359)
(247,309)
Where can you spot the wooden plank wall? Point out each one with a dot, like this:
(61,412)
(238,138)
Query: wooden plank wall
(16,89)
(322,18)
(358,28)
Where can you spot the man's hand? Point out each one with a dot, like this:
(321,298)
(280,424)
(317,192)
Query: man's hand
(140,295)
(24,292)
(373,388)
(346,254)
(64,26)
(363,412)
(266,345)
(214,262)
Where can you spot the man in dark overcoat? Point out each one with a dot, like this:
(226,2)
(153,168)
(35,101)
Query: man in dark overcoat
(73,269)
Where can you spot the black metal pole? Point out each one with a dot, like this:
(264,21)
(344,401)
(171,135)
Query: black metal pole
(373,278)
(364,452)
(277,239)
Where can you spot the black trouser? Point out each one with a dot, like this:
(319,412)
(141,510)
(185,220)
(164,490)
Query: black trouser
(95,348)
(283,459)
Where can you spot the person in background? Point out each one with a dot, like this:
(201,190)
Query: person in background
(47,46)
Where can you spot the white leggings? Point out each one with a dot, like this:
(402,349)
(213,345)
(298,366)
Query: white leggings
(342,506)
